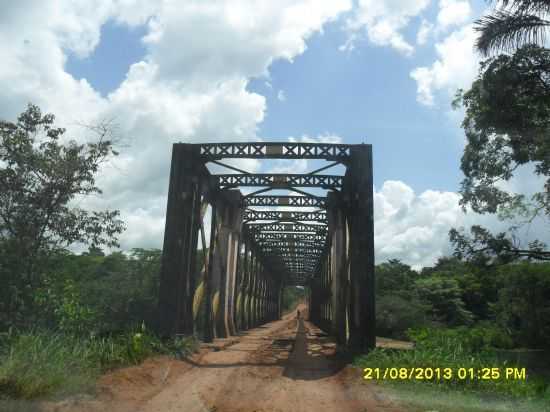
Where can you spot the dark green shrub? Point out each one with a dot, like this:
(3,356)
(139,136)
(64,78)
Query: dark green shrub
(395,314)
(455,348)
(523,306)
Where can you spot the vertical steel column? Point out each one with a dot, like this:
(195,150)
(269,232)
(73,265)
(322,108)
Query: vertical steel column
(314,299)
(255,293)
(250,287)
(264,300)
(243,285)
(280,302)
(209,321)
(260,298)
(270,300)
(229,232)
(181,235)
(363,319)
(238,281)
(221,272)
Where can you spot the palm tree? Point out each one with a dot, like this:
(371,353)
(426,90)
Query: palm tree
(513,24)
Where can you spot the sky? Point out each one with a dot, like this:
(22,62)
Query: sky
(382,72)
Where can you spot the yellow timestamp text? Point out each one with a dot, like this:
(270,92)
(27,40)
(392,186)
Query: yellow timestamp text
(431,374)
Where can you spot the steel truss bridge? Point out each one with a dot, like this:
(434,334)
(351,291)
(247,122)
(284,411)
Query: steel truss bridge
(259,242)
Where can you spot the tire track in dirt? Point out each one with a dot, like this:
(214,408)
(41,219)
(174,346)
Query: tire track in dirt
(286,365)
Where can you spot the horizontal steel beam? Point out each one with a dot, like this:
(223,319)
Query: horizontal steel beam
(310,264)
(278,181)
(287,227)
(306,250)
(290,236)
(250,214)
(287,253)
(300,268)
(292,201)
(301,259)
(277,244)
(306,257)
(274,150)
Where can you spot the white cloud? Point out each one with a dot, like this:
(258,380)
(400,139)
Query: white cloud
(383,22)
(414,227)
(322,138)
(281,96)
(190,87)
(424,31)
(453,13)
(456,66)
(225,39)
(410,227)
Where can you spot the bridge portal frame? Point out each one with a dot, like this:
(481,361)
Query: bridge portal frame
(239,284)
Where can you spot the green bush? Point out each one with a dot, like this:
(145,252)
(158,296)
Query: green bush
(394,315)
(38,364)
(455,348)
(523,305)
(96,294)
(444,296)
(454,342)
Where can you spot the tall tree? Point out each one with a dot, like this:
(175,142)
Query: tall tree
(507,125)
(512,25)
(40,177)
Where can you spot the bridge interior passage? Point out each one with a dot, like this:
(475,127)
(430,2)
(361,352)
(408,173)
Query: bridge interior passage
(268,231)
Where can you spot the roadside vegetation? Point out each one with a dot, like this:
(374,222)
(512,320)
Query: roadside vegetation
(38,364)
(489,304)
(463,316)
(66,318)
(92,314)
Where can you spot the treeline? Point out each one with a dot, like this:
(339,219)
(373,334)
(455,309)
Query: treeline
(97,294)
(86,314)
(508,303)
(89,294)
(292,296)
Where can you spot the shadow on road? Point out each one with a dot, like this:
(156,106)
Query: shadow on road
(313,356)
(309,355)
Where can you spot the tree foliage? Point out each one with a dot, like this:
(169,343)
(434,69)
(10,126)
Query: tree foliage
(508,304)
(507,112)
(100,294)
(513,24)
(445,299)
(523,306)
(41,177)
(398,303)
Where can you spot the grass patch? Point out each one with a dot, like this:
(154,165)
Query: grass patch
(43,364)
(455,349)
(422,398)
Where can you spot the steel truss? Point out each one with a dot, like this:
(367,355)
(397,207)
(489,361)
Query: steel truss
(329,250)
(287,227)
(286,216)
(270,150)
(278,181)
(292,201)
(290,236)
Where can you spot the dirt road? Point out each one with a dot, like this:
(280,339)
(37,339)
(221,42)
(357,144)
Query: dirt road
(287,365)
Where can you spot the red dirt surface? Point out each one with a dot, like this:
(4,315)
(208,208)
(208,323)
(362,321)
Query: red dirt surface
(286,365)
